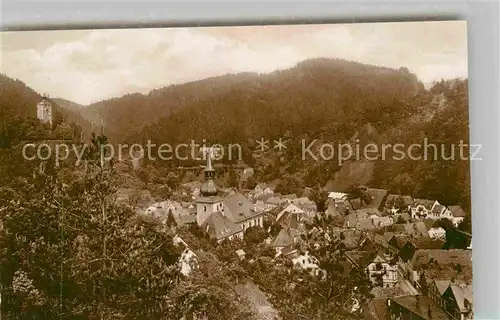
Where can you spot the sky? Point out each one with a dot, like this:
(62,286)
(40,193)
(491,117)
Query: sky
(87,66)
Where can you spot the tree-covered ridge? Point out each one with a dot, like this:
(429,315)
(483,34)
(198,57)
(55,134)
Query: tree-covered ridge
(18,106)
(324,95)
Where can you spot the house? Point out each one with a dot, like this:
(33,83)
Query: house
(436,289)
(434,230)
(456,214)
(218,226)
(414,307)
(290,210)
(224,218)
(350,238)
(285,241)
(161,211)
(188,259)
(458,301)
(416,229)
(340,208)
(336,196)
(437,211)
(440,264)
(380,271)
(307,262)
(377,198)
(422,208)
(262,188)
(242,212)
(396,203)
(377,309)
(305,204)
(352,219)
(272,202)
(240,253)
(402,217)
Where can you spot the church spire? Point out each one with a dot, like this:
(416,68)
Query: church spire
(208,187)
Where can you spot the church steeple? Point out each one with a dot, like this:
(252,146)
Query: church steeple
(208,187)
(209,202)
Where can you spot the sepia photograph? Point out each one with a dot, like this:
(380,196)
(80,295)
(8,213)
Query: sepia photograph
(260,172)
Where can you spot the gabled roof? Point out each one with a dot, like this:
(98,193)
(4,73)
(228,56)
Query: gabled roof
(461,293)
(378,196)
(283,239)
(438,208)
(354,217)
(416,229)
(429,223)
(392,199)
(422,308)
(442,257)
(442,285)
(352,238)
(377,310)
(219,226)
(293,220)
(424,202)
(303,202)
(457,211)
(361,259)
(399,240)
(273,200)
(238,208)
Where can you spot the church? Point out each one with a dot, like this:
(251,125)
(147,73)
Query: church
(224,218)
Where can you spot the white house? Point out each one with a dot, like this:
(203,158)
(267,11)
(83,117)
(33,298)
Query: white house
(437,233)
(291,208)
(337,196)
(379,270)
(188,259)
(422,208)
(379,267)
(261,189)
(308,262)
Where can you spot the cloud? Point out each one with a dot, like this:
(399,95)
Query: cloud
(91,65)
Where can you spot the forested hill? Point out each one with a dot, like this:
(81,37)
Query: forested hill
(18,111)
(319,95)
(126,115)
(315,88)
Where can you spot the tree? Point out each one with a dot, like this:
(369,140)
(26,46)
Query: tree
(357,191)
(173,181)
(466,224)
(319,196)
(233,179)
(143,174)
(171,219)
(69,252)
(254,236)
(209,292)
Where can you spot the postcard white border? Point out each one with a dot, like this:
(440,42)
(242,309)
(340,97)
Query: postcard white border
(483,41)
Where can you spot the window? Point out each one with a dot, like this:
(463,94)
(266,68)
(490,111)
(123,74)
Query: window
(204,208)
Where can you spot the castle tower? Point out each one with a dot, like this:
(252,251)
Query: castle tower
(209,202)
(44,110)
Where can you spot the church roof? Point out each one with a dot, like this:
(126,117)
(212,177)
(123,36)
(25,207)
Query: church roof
(238,208)
(219,226)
